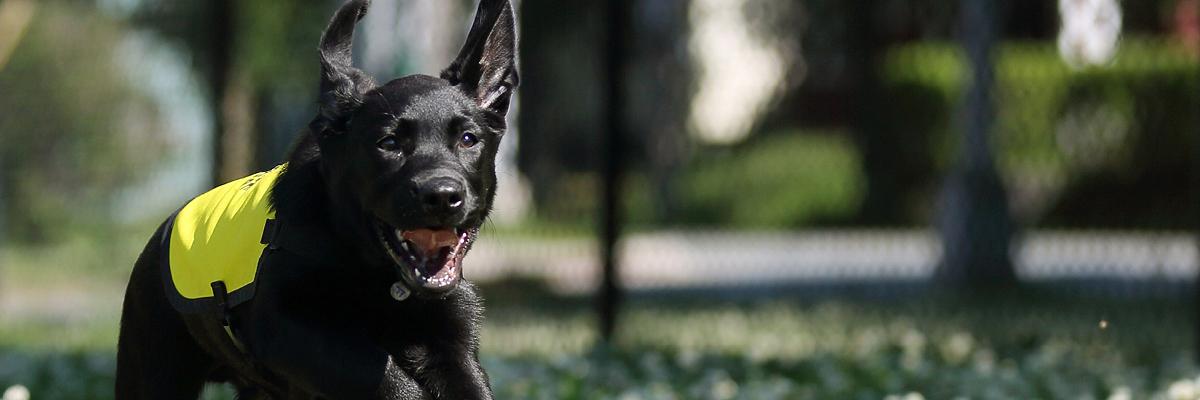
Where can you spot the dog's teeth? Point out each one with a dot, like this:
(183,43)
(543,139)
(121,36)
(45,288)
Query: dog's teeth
(404,244)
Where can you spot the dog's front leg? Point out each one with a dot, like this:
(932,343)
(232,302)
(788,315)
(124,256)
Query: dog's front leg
(453,372)
(475,381)
(331,362)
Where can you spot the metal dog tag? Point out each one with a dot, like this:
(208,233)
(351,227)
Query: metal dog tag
(399,292)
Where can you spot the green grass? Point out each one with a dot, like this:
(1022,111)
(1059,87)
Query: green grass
(1034,345)
(1040,346)
(61,306)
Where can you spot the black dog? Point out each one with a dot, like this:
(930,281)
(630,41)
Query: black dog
(356,291)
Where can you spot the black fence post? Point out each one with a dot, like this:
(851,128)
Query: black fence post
(976,229)
(1194,198)
(615,53)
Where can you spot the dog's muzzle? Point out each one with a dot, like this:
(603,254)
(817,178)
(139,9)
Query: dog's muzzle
(428,260)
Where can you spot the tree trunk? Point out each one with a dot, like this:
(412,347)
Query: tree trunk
(233,100)
(976,228)
(239,138)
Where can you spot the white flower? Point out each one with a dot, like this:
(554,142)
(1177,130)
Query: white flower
(958,347)
(1090,31)
(724,388)
(16,392)
(906,396)
(1182,390)
(1121,393)
(913,345)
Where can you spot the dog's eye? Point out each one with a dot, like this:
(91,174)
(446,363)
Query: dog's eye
(388,143)
(468,139)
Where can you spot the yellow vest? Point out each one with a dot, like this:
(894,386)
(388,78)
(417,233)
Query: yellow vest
(217,236)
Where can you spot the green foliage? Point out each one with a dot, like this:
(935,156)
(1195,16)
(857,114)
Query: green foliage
(73,128)
(1063,136)
(775,181)
(778,181)
(1071,145)
(273,42)
(278,44)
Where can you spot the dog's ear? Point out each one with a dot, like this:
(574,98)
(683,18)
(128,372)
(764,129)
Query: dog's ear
(486,67)
(342,86)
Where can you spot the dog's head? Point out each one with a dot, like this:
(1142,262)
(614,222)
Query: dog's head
(416,156)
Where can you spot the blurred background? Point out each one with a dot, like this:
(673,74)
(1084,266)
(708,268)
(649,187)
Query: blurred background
(699,199)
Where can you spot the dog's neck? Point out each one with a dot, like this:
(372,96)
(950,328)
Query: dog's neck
(302,196)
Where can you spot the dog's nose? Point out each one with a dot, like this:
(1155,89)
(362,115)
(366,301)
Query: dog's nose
(441,197)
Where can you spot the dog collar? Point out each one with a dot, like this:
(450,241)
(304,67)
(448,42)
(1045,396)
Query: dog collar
(399,291)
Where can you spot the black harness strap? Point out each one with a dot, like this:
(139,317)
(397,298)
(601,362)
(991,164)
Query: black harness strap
(297,238)
(270,232)
(222,297)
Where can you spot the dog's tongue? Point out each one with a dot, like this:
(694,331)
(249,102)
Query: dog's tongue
(431,241)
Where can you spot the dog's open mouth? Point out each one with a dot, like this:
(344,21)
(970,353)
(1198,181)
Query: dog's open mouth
(427,258)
